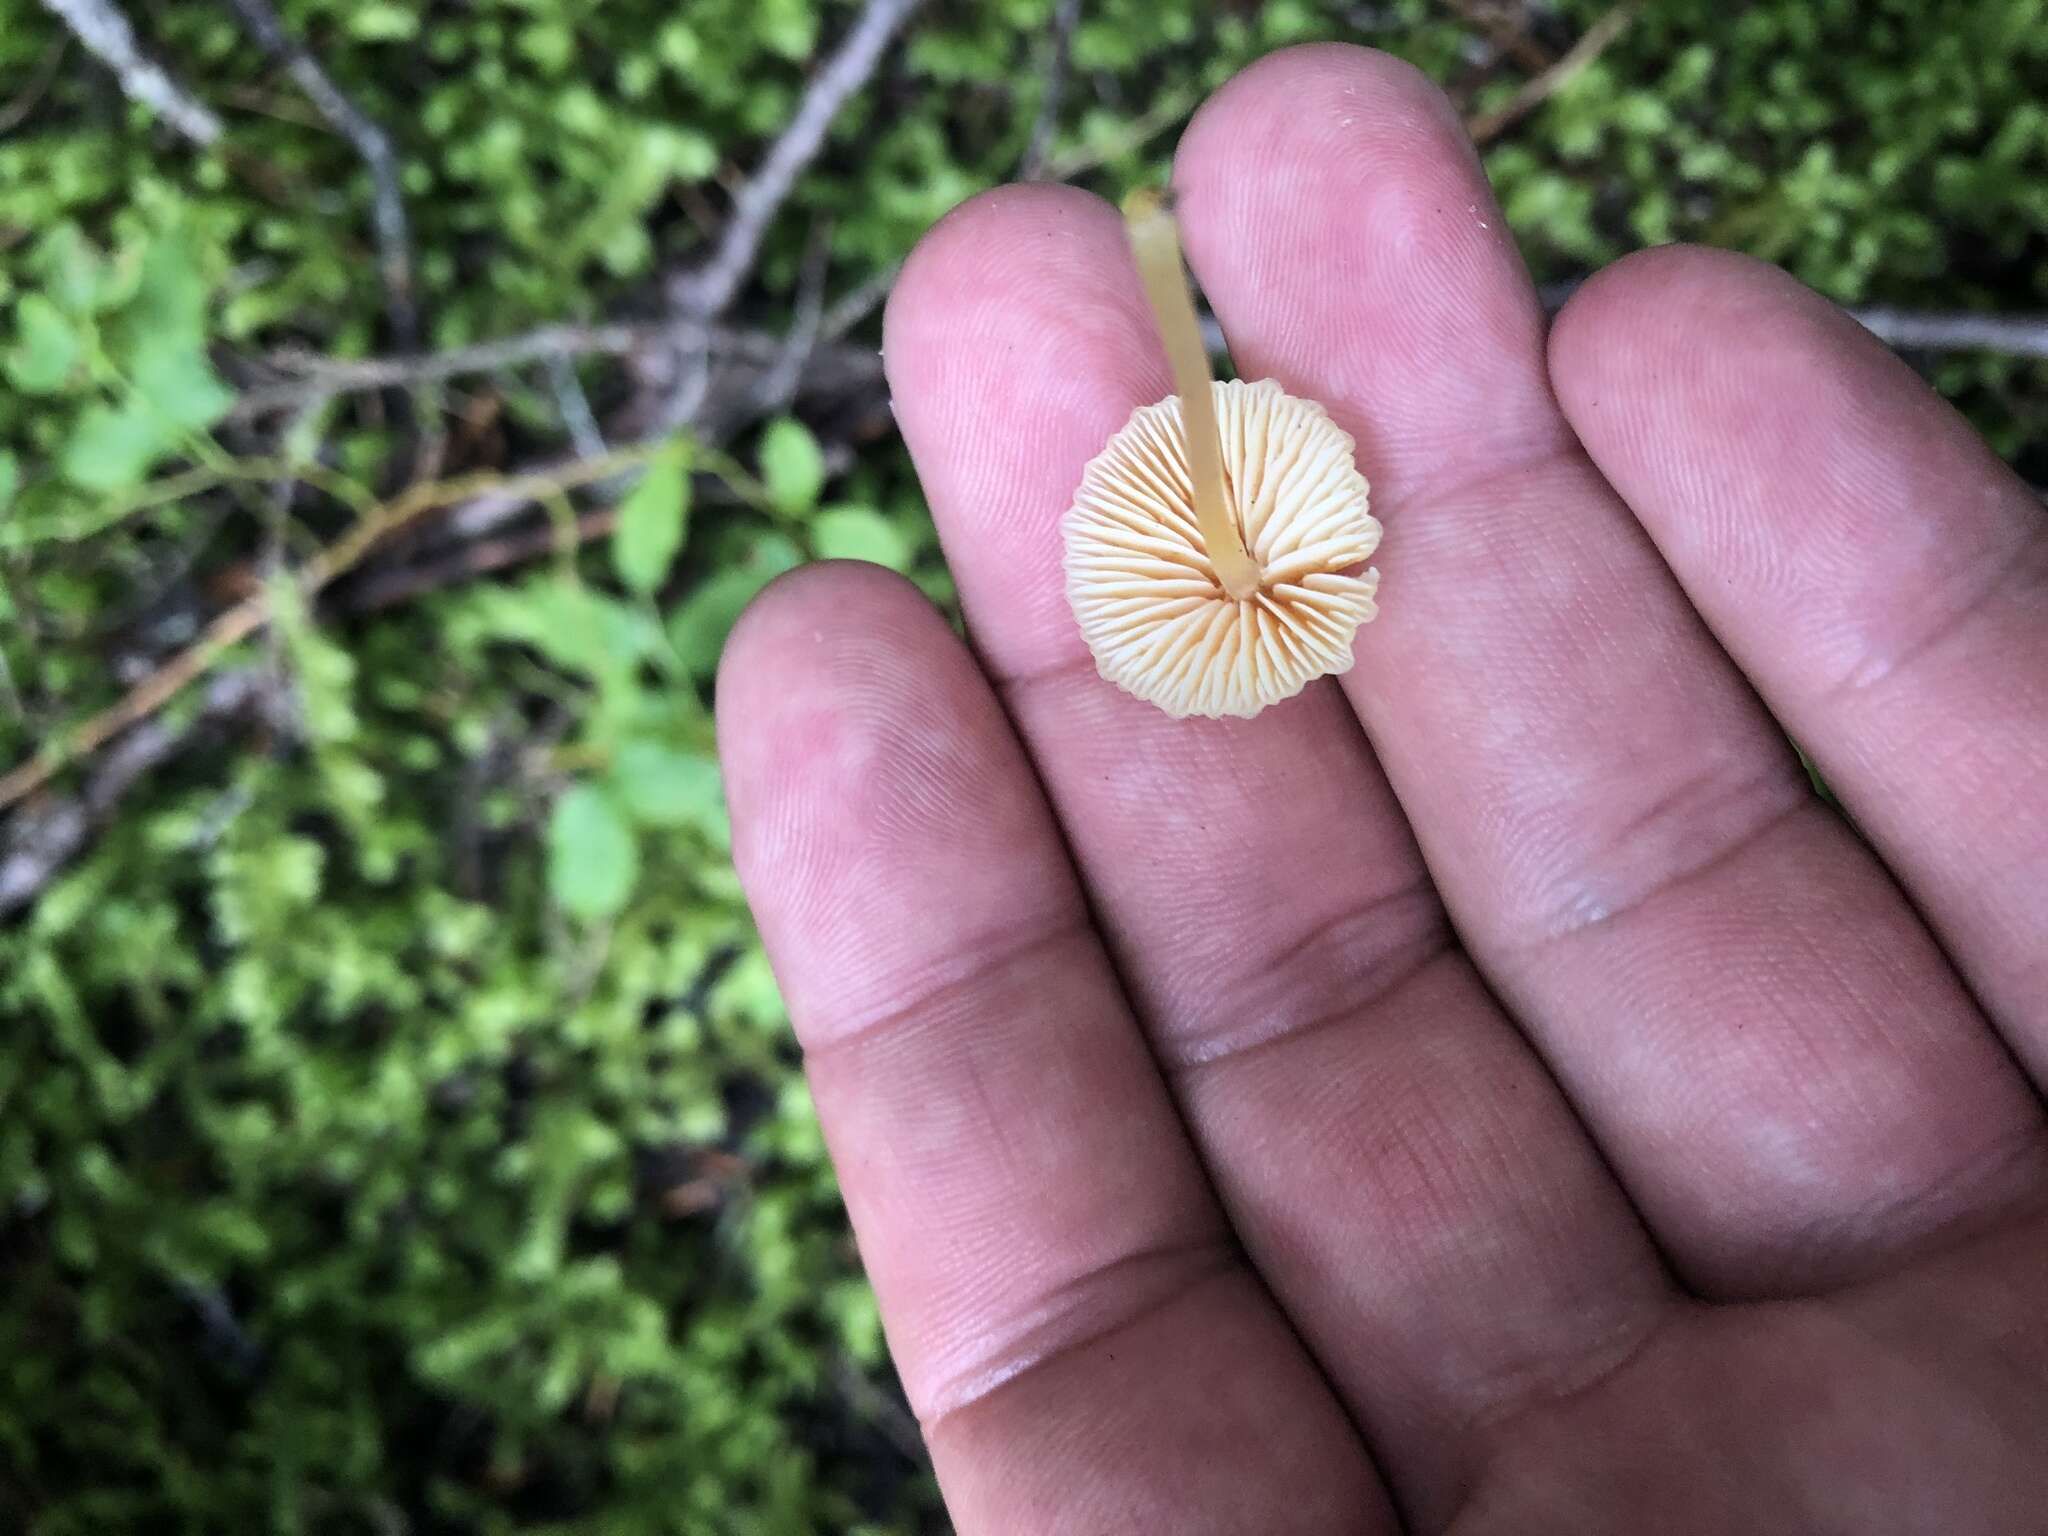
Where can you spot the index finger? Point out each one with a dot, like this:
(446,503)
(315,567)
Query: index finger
(1081,1339)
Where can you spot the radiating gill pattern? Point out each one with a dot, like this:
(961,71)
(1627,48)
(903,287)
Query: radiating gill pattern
(1142,587)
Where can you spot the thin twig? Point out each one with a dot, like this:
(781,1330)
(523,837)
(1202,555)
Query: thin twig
(105,32)
(855,306)
(302,371)
(370,142)
(1506,38)
(1059,45)
(344,375)
(1172,107)
(245,618)
(688,364)
(574,405)
(778,385)
(378,589)
(1488,126)
(1909,330)
(489,510)
(30,95)
(39,845)
(1927,331)
(710,289)
(307,373)
(882,1409)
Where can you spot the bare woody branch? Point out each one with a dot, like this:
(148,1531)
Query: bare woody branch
(30,96)
(1058,48)
(778,386)
(848,311)
(253,614)
(376,590)
(1503,32)
(1909,330)
(370,142)
(1488,126)
(297,374)
(105,32)
(710,289)
(1931,331)
(39,845)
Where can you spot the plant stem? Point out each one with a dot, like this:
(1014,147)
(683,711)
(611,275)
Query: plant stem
(1155,242)
(236,624)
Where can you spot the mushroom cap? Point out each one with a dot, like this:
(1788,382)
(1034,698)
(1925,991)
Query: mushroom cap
(1149,602)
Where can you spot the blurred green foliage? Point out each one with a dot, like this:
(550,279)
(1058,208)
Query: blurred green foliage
(398,1125)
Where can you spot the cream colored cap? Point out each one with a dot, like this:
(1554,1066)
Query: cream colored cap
(1149,601)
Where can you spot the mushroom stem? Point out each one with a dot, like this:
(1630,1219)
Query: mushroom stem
(1155,242)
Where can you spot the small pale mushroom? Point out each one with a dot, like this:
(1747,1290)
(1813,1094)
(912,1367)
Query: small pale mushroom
(1214,548)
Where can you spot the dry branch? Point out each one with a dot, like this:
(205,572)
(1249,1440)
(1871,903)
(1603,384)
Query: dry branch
(1059,47)
(30,96)
(105,32)
(253,613)
(1911,330)
(38,847)
(1488,126)
(300,372)
(1502,33)
(778,386)
(371,144)
(378,589)
(852,308)
(711,288)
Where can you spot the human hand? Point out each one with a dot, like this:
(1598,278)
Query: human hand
(1494,1093)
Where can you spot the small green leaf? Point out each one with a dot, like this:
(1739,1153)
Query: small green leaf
(692,156)
(179,384)
(48,350)
(113,446)
(551,45)
(592,858)
(383,23)
(792,467)
(859,533)
(652,522)
(698,627)
(74,273)
(10,478)
(661,787)
(576,629)
(170,295)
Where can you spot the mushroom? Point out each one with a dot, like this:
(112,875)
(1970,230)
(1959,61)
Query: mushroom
(1213,551)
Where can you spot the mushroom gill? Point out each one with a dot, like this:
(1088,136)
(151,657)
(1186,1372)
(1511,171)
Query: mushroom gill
(1212,553)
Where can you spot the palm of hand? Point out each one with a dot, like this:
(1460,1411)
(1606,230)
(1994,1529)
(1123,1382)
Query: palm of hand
(1494,1094)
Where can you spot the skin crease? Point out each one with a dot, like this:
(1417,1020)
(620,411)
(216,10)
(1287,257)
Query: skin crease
(1488,1094)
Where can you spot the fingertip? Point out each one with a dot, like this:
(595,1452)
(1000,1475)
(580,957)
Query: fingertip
(1655,315)
(1017,342)
(1322,129)
(1341,223)
(1701,369)
(1005,279)
(809,623)
(819,660)
(1314,90)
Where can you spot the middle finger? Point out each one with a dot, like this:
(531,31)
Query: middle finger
(1747,1014)
(1403,1172)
